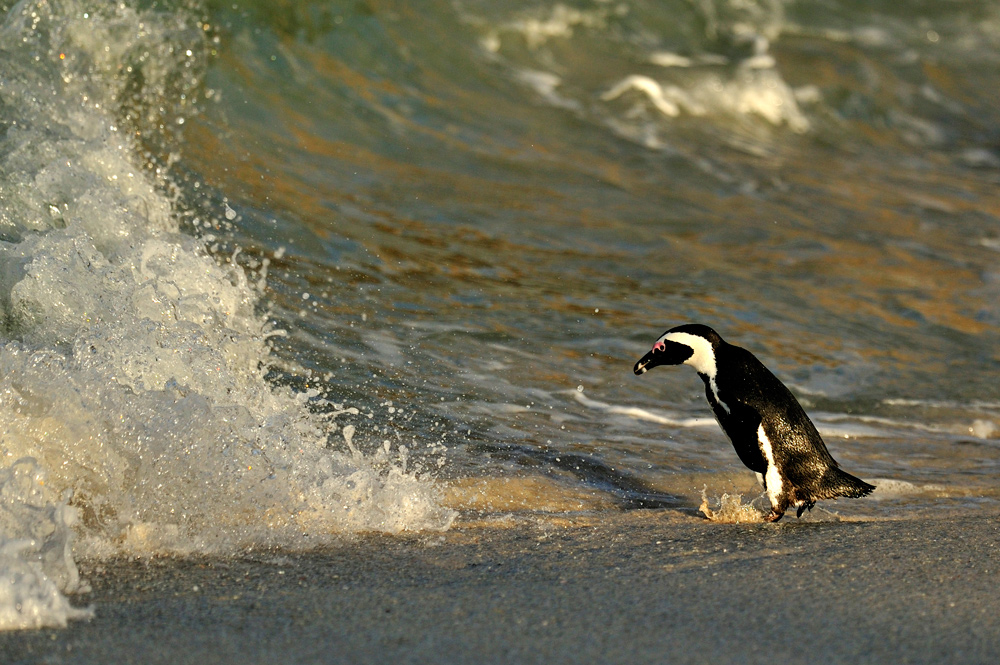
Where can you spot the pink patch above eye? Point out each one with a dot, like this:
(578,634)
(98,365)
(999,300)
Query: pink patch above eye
(659,346)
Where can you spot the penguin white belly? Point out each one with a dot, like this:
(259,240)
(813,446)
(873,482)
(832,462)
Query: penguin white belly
(772,478)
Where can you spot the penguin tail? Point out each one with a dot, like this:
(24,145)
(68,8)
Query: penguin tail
(836,482)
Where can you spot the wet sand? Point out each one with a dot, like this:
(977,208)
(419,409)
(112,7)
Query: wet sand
(643,586)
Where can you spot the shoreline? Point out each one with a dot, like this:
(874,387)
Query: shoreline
(641,586)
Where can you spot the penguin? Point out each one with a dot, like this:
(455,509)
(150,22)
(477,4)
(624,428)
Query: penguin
(771,432)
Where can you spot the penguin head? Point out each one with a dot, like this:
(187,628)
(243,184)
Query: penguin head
(691,344)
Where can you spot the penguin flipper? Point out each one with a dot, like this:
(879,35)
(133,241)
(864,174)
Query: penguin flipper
(740,425)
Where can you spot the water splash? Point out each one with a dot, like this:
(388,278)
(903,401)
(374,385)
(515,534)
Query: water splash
(133,362)
(36,560)
(730,509)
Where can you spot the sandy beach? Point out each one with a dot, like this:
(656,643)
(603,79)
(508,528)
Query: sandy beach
(637,587)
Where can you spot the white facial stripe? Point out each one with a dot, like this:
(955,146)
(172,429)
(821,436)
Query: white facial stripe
(771,476)
(703,358)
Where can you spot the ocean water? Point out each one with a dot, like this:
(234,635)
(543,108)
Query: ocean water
(273,272)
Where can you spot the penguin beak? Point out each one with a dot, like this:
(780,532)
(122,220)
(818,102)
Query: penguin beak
(664,352)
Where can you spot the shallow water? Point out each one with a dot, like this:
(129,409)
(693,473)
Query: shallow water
(271,272)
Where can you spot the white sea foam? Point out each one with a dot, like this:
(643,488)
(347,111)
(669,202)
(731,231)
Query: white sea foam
(539,26)
(36,562)
(753,89)
(136,416)
(891,488)
(639,413)
(830,426)
(862,425)
(666,100)
(942,404)
(668,59)
(708,85)
(545,84)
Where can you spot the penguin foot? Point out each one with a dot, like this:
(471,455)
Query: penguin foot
(773,516)
(804,507)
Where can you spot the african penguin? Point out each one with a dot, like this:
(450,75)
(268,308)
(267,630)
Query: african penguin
(772,435)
